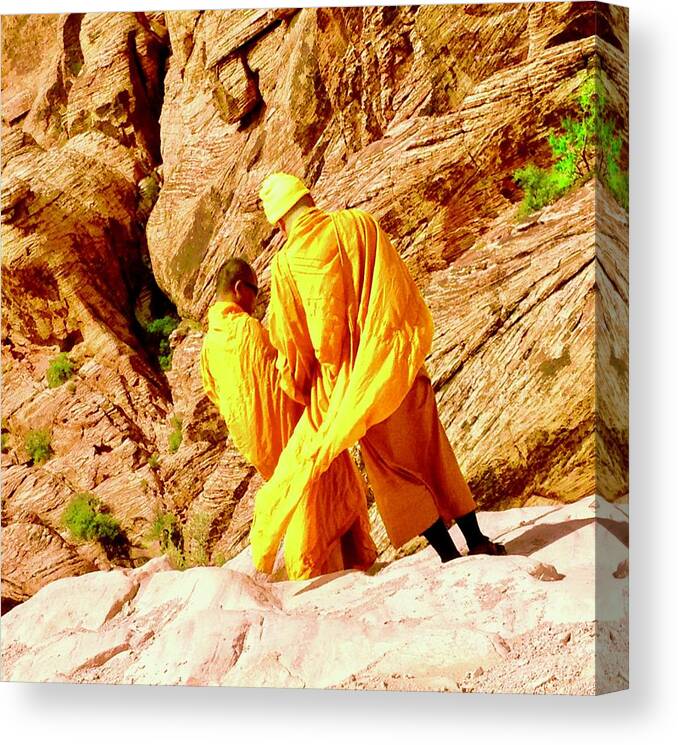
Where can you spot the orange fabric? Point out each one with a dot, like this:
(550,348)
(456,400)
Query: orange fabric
(352,330)
(412,468)
(334,511)
(237,364)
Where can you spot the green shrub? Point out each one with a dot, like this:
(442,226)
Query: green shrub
(59,371)
(196,537)
(162,327)
(540,188)
(176,557)
(159,330)
(185,546)
(165,529)
(79,515)
(86,521)
(154,461)
(4,441)
(106,528)
(174,440)
(38,445)
(219,559)
(587,146)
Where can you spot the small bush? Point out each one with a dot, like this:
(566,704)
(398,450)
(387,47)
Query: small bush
(176,557)
(106,528)
(79,515)
(540,187)
(174,441)
(59,371)
(38,446)
(159,330)
(165,529)
(154,461)
(185,546)
(586,146)
(162,327)
(86,521)
(175,437)
(196,537)
(4,440)
(219,559)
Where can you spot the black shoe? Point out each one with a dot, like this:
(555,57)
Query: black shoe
(487,547)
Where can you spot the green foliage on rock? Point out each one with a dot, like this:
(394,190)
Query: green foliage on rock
(175,438)
(38,446)
(59,371)
(539,188)
(586,146)
(159,331)
(219,559)
(85,519)
(165,529)
(196,538)
(162,326)
(184,545)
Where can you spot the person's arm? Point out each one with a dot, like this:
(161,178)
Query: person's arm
(289,334)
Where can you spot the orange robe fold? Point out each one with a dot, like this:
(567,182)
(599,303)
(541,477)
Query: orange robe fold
(412,468)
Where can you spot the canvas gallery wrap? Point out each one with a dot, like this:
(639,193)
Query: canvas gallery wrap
(315,348)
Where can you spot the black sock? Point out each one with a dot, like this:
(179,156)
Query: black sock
(468,524)
(438,536)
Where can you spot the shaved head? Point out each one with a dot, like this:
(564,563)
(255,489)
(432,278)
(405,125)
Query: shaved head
(237,282)
(233,270)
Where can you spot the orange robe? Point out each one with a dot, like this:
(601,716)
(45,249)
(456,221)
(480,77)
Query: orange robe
(237,364)
(352,331)
(412,468)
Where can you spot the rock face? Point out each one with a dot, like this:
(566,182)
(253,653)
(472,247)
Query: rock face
(133,149)
(530,622)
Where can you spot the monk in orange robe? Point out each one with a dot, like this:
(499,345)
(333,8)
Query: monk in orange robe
(237,365)
(352,331)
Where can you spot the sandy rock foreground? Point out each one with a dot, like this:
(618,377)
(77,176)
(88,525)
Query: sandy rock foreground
(520,623)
